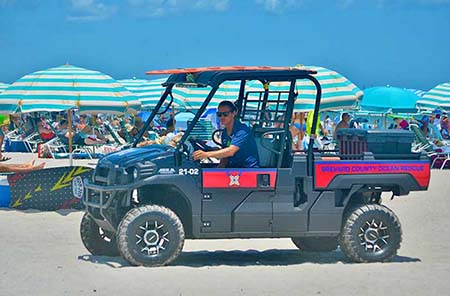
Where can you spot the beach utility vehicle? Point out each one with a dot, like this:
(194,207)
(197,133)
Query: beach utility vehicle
(142,203)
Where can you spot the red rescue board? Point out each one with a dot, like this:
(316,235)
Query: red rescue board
(218,68)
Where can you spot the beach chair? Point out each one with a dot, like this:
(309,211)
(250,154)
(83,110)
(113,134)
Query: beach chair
(425,145)
(119,142)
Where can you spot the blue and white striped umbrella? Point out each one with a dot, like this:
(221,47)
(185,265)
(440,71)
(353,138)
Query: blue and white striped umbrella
(338,93)
(193,98)
(67,87)
(148,92)
(417,92)
(3,86)
(436,98)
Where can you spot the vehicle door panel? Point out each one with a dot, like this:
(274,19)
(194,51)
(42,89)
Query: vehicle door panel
(237,200)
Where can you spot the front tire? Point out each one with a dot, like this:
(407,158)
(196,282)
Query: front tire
(150,236)
(96,240)
(316,244)
(370,233)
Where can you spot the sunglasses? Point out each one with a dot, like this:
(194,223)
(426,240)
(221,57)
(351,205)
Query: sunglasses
(225,114)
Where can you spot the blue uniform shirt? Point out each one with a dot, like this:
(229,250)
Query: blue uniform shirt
(242,137)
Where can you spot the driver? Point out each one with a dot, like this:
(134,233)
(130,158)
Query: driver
(240,147)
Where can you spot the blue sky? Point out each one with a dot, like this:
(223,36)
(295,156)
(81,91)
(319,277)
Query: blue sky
(403,43)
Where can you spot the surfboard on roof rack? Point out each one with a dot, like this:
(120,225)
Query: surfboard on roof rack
(218,68)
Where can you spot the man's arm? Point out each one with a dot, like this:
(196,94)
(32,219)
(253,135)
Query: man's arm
(220,154)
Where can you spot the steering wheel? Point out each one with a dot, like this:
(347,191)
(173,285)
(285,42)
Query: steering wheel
(217,135)
(200,145)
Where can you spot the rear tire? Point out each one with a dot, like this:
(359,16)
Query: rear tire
(150,236)
(316,244)
(370,233)
(96,240)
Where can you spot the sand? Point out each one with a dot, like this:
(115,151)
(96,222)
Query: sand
(41,254)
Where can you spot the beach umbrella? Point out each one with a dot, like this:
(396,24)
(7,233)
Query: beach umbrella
(389,99)
(148,92)
(417,92)
(436,98)
(68,87)
(3,86)
(338,93)
(193,97)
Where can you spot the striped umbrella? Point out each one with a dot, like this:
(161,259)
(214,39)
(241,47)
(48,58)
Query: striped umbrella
(338,92)
(148,92)
(193,97)
(67,87)
(3,86)
(436,98)
(417,92)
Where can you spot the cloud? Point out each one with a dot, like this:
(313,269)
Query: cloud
(155,8)
(279,6)
(4,3)
(91,10)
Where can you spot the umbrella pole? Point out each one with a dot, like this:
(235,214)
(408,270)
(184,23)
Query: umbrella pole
(69,117)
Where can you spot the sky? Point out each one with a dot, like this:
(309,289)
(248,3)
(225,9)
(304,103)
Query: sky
(404,43)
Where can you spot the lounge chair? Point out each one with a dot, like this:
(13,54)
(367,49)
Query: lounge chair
(423,144)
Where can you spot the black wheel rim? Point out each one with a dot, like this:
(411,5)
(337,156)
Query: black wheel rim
(152,238)
(374,236)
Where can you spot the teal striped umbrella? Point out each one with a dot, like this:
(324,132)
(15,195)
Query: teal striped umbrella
(3,86)
(148,92)
(436,98)
(193,97)
(338,93)
(417,92)
(67,87)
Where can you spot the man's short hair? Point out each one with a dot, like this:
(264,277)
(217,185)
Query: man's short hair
(345,114)
(228,104)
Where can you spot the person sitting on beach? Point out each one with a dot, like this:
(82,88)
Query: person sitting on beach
(45,130)
(169,138)
(20,168)
(401,123)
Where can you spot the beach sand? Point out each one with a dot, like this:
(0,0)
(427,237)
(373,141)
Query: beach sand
(41,254)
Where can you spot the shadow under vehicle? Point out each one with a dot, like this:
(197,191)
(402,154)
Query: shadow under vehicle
(142,203)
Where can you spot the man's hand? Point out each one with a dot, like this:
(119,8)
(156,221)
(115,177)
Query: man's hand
(199,154)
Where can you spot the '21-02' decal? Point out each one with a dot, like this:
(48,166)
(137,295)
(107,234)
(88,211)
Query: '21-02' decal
(236,178)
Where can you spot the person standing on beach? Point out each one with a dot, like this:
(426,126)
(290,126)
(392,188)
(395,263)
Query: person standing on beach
(342,124)
(4,122)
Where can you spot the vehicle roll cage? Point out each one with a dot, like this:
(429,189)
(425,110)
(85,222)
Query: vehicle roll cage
(215,78)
